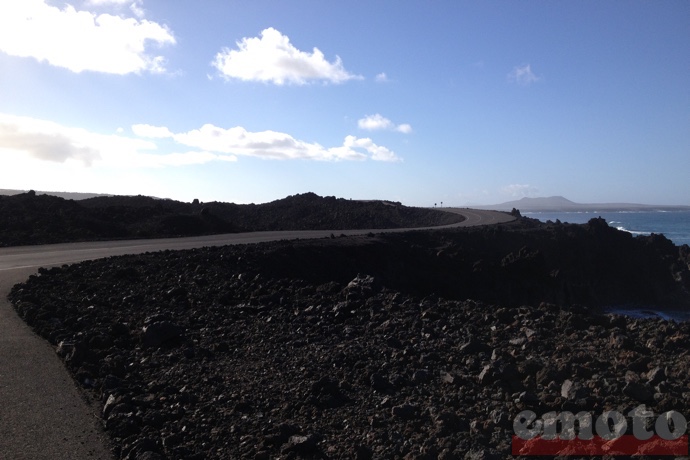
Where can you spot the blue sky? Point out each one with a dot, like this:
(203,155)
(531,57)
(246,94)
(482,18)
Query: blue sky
(457,102)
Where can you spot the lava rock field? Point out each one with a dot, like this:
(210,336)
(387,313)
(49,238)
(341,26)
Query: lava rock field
(416,345)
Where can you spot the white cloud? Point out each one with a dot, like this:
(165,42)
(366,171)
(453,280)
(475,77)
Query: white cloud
(378,122)
(273,59)
(154,132)
(36,144)
(523,75)
(135,6)
(270,144)
(149,160)
(46,141)
(378,153)
(404,128)
(108,2)
(520,190)
(381,78)
(374,122)
(81,40)
(137,9)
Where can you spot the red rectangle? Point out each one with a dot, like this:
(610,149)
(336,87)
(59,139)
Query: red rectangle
(624,445)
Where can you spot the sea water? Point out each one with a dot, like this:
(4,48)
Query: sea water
(674,225)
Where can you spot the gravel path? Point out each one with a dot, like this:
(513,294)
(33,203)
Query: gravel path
(44,416)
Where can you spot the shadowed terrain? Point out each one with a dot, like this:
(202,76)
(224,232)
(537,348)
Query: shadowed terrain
(422,344)
(42,219)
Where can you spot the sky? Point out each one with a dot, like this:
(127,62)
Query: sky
(422,102)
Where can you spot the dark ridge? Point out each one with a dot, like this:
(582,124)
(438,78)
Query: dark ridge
(65,195)
(30,218)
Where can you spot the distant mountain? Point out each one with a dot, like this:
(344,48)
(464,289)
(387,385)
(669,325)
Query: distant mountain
(65,195)
(561,204)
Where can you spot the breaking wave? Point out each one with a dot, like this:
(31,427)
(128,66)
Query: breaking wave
(673,225)
(632,231)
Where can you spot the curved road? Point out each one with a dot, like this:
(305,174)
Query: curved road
(42,413)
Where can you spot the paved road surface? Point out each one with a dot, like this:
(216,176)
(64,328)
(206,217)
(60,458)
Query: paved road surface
(42,413)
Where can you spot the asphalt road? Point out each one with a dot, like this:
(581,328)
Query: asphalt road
(42,413)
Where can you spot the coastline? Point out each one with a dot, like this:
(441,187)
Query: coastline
(675,225)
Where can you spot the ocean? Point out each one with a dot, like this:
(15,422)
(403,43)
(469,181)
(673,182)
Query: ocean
(674,225)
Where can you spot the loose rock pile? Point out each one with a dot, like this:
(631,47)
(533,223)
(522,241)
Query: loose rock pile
(222,353)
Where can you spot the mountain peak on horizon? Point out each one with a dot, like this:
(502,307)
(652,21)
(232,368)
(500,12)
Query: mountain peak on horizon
(535,203)
(559,203)
(556,198)
(547,199)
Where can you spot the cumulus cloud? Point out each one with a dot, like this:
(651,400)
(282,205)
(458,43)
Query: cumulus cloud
(25,140)
(523,75)
(153,132)
(48,141)
(404,128)
(273,59)
(520,190)
(136,6)
(137,9)
(109,2)
(150,160)
(378,122)
(378,153)
(382,77)
(82,40)
(45,140)
(269,144)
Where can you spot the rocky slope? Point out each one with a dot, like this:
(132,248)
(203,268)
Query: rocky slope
(367,347)
(39,219)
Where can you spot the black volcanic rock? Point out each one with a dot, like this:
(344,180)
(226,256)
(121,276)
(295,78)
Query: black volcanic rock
(366,347)
(39,219)
(521,262)
(158,333)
